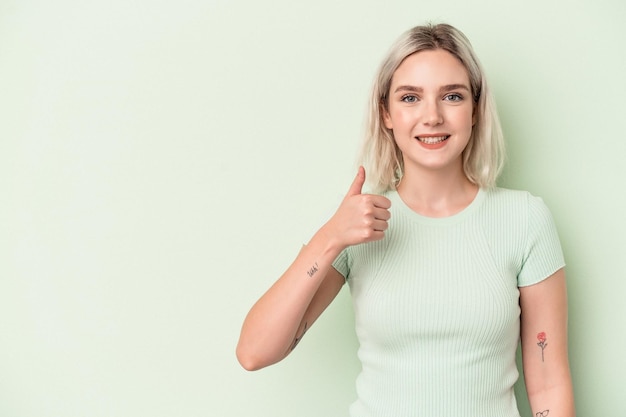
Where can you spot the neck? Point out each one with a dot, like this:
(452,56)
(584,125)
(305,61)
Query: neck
(435,193)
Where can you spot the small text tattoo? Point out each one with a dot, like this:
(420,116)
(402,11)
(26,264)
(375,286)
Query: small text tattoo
(298,339)
(313,270)
(541,337)
(543,413)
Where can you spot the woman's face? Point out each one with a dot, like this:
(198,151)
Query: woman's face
(430,110)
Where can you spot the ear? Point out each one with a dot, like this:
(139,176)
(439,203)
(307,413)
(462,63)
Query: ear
(474,117)
(386,116)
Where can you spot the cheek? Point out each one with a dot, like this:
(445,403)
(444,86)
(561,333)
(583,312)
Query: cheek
(399,119)
(464,120)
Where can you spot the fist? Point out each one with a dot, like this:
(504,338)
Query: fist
(360,217)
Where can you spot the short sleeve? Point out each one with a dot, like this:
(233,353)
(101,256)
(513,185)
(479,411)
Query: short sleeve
(543,255)
(342,264)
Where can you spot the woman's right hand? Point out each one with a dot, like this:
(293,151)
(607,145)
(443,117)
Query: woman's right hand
(360,217)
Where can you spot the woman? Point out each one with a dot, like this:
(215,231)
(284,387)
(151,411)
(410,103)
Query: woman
(447,271)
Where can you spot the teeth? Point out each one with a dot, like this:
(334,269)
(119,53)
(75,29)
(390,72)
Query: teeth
(432,140)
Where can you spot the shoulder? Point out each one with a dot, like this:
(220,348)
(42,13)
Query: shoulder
(518,210)
(516,201)
(506,195)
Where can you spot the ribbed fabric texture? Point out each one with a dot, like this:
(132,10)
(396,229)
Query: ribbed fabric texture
(437,306)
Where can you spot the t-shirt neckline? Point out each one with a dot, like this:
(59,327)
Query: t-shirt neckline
(398,203)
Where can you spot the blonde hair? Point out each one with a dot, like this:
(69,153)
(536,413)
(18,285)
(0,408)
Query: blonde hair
(483,157)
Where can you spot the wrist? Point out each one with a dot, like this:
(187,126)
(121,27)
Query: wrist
(328,242)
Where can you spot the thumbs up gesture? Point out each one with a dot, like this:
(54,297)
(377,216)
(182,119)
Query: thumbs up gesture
(360,217)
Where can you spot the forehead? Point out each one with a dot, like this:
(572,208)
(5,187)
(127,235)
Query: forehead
(430,68)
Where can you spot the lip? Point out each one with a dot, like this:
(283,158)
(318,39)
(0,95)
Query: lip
(434,145)
(432,135)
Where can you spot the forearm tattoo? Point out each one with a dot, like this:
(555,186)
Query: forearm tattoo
(298,339)
(313,270)
(541,337)
(543,413)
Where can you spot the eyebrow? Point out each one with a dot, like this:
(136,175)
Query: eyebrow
(444,88)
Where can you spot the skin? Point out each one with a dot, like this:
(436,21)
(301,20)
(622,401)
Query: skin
(429,97)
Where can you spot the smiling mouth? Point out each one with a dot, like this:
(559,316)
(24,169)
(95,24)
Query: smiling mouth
(432,140)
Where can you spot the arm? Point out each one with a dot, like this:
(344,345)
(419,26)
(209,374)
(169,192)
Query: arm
(544,347)
(279,319)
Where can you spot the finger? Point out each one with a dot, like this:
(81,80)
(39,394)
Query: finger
(357,185)
(381,214)
(381,202)
(380,225)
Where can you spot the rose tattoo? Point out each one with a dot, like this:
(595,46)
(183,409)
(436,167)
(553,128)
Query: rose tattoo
(541,337)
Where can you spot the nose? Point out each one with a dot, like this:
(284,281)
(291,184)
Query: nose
(431,113)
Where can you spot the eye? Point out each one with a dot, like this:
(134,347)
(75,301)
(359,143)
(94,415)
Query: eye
(453,97)
(409,98)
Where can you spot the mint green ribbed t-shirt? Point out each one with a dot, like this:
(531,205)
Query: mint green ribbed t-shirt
(436,305)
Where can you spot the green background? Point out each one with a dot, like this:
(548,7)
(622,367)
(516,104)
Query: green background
(162,162)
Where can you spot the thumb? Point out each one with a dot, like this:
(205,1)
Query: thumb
(357,184)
